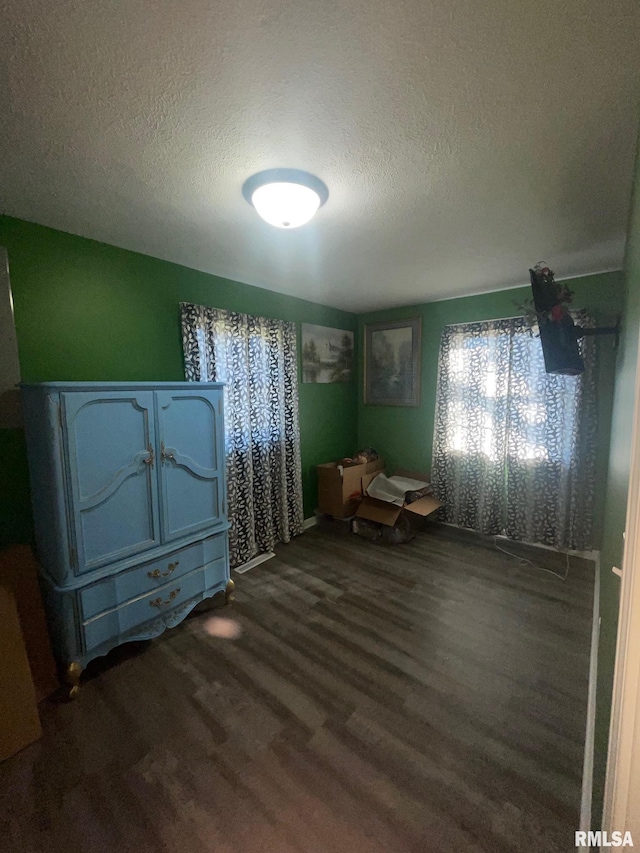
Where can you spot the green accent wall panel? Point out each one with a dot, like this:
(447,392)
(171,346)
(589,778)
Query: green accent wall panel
(15,506)
(88,311)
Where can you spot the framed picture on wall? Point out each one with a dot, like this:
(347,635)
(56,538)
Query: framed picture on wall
(392,363)
(327,354)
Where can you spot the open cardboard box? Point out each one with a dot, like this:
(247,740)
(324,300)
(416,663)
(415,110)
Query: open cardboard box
(387,513)
(340,493)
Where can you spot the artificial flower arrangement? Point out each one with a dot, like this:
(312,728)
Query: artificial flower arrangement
(554,299)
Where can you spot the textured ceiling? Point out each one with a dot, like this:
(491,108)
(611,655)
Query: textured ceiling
(461,140)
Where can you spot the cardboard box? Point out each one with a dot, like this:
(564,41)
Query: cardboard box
(20,724)
(19,573)
(339,494)
(387,513)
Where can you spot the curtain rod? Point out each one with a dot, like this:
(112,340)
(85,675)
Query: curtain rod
(492,320)
(573,311)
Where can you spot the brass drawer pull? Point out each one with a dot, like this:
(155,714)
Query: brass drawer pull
(150,458)
(156,573)
(158,602)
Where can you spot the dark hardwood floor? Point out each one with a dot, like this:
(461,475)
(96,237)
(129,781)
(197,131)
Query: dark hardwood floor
(423,697)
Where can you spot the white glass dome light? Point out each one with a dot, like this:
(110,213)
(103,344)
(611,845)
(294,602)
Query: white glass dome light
(285,205)
(286,198)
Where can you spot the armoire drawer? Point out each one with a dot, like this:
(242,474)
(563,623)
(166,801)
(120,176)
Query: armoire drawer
(160,602)
(123,586)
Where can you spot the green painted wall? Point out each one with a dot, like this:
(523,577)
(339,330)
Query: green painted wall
(616,496)
(88,311)
(404,436)
(15,509)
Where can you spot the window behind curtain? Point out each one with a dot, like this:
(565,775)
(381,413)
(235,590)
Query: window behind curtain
(256,358)
(514,447)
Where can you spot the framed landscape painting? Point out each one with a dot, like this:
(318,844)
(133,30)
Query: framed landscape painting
(327,354)
(392,363)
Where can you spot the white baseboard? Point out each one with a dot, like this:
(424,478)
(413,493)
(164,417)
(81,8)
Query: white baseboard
(587,768)
(309,522)
(586,555)
(250,564)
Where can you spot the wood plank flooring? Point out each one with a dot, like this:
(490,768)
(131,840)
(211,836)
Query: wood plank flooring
(423,697)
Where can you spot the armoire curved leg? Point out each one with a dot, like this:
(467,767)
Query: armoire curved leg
(74,671)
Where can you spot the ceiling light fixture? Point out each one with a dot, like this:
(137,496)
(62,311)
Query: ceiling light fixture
(286,198)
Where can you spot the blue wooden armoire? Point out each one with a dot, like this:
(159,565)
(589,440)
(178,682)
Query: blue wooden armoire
(129,498)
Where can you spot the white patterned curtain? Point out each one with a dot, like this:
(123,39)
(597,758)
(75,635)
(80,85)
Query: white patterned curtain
(514,447)
(256,358)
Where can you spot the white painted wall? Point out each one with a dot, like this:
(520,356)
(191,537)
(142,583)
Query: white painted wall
(9,364)
(622,792)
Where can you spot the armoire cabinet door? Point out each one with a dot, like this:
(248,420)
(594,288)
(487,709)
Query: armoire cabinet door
(110,443)
(191,463)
